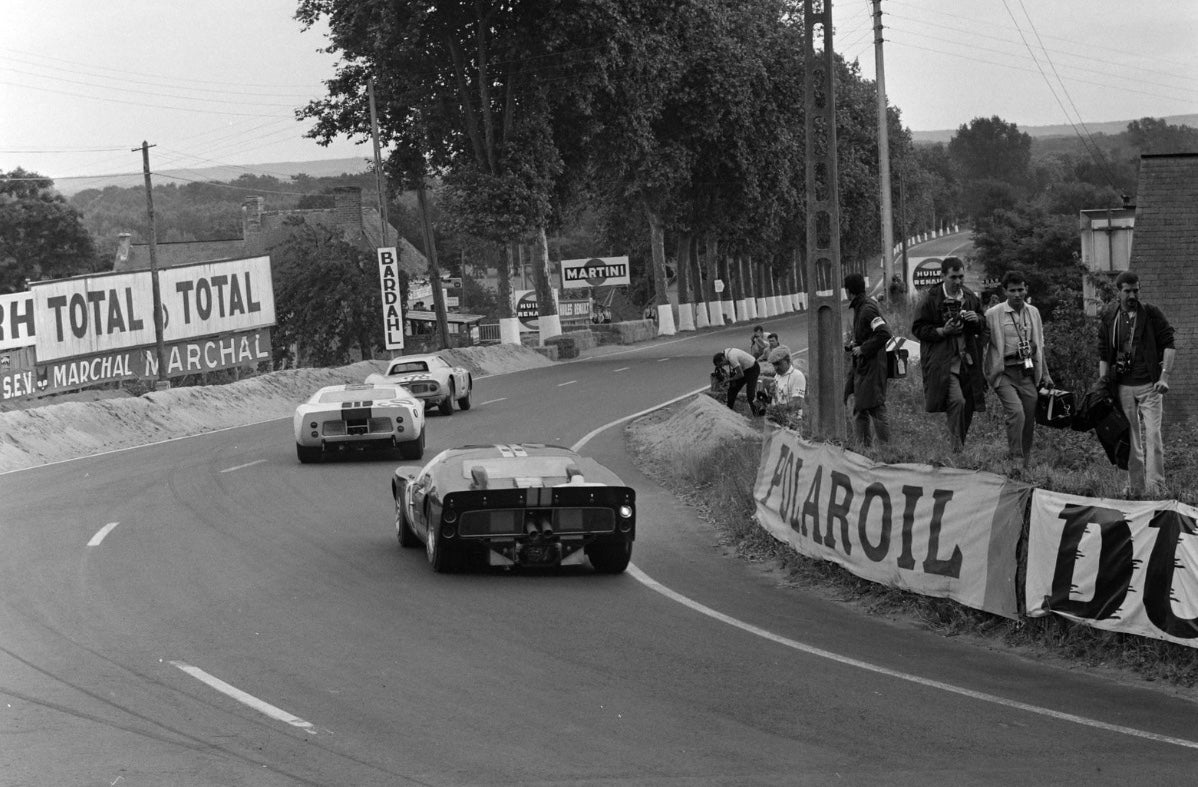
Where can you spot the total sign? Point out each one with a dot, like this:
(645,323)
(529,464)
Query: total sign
(594,272)
(91,315)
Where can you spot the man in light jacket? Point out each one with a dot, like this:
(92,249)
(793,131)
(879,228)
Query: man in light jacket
(1015,366)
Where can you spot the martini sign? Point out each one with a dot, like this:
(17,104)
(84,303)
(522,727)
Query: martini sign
(595,272)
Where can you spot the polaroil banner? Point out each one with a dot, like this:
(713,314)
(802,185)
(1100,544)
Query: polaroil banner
(936,531)
(1120,565)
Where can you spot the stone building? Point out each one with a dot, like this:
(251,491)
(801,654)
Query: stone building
(262,230)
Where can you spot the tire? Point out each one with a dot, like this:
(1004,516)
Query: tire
(464,402)
(441,560)
(412,449)
(610,557)
(307,454)
(446,405)
(403,531)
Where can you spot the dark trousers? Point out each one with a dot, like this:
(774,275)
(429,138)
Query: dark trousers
(881,423)
(748,381)
(960,412)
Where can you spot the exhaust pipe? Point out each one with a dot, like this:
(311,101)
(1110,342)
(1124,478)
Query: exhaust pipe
(530,530)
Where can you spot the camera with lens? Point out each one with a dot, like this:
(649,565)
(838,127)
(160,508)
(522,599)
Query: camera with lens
(1024,350)
(1123,364)
(952,310)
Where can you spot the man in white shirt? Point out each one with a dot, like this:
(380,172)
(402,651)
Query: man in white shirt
(742,372)
(790,384)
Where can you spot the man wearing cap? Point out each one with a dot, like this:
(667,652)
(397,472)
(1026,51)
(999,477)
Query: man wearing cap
(790,384)
(867,379)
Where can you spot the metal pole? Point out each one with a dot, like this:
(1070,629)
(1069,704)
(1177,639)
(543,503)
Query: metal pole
(883,151)
(160,344)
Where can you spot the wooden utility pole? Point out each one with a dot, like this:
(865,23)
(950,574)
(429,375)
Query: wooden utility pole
(378,163)
(883,151)
(434,270)
(160,343)
(824,271)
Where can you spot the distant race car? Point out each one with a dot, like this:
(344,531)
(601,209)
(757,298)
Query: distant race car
(430,378)
(359,415)
(515,505)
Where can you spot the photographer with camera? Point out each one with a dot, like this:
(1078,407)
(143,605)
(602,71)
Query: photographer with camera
(866,380)
(1015,365)
(952,333)
(741,371)
(1136,353)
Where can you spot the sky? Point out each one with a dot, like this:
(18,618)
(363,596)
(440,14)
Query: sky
(216,82)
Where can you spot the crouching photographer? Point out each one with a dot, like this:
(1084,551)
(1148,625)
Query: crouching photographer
(740,370)
(1015,365)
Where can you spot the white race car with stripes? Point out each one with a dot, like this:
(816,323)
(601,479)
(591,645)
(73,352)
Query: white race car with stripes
(359,416)
(431,379)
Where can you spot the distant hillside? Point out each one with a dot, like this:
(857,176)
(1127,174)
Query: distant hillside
(326,168)
(1111,127)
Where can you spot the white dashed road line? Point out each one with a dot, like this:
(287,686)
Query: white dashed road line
(493,401)
(242,467)
(660,360)
(621,369)
(99,536)
(250,700)
(559,385)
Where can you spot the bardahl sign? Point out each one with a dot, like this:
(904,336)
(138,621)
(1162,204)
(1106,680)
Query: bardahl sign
(595,272)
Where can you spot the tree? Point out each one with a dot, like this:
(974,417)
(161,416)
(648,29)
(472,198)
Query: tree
(41,236)
(327,298)
(1156,135)
(1045,249)
(992,149)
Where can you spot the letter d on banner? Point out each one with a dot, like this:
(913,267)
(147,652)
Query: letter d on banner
(392,307)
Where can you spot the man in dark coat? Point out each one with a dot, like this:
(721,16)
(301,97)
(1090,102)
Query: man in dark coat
(952,335)
(867,379)
(1136,353)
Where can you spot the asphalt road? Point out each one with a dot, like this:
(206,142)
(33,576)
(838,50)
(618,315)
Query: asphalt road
(250,620)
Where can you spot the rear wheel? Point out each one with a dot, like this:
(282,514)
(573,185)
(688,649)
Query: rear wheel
(308,453)
(403,531)
(610,557)
(440,559)
(412,449)
(464,402)
(447,403)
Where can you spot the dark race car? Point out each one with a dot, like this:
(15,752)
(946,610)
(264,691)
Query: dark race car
(515,505)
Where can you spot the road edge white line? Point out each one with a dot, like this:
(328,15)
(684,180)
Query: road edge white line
(98,538)
(249,700)
(673,595)
(811,650)
(244,466)
(492,401)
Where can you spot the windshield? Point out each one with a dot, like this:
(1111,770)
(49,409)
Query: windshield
(408,366)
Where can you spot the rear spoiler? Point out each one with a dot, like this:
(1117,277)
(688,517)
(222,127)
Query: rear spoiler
(564,496)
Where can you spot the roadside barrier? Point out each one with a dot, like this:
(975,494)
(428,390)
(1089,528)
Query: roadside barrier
(1119,565)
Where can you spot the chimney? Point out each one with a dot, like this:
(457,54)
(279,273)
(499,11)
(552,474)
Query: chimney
(251,216)
(123,242)
(347,207)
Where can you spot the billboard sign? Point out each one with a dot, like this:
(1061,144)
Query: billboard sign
(16,321)
(392,308)
(595,272)
(99,314)
(925,272)
(22,377)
